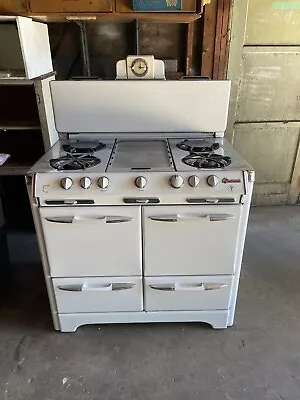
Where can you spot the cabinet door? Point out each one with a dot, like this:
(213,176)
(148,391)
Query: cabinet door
(190,240)
(95,241)
(127,6)
(13,6)
(57,6)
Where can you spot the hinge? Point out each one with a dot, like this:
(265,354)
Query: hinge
(29,179)
(219,134)
(251,176)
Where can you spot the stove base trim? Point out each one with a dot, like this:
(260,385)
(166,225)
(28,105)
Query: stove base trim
(217,319)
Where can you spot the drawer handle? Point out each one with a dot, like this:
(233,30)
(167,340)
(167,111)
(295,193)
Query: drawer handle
(109,287)
(109,219)
(194,287)
(190,218)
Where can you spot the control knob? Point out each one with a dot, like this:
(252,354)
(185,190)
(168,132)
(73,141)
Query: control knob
(85,182)
(177,181)
(212,180)
(103,182)
(194,181)
(66,183)
(140,182)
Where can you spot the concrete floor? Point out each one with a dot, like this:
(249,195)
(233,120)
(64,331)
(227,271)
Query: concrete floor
(257,359)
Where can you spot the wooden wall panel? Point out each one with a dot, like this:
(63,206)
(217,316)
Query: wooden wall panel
(57,6)
(13,6)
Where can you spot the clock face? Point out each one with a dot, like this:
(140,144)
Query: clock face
(139,67)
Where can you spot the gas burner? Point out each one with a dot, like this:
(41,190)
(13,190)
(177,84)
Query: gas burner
(198,149)
(82,147)
(74,162)
(207,161)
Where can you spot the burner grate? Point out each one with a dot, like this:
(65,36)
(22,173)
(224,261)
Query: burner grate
(207,160)
(74,162)
(83,147)
(198,149)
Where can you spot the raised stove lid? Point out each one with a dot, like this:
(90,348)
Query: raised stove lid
(140,155)
(168,108)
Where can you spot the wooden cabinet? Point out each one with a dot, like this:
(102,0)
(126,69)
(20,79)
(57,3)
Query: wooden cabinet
(80,6)
(13,6)
(126,6)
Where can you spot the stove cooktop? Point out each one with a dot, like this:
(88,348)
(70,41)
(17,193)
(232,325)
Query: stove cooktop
(138,155)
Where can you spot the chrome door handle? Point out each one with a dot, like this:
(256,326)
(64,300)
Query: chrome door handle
(109,287)
(165,218)
(220,217)
(109,219)
(173,287)
(60,220)
(117,220)
(188,218)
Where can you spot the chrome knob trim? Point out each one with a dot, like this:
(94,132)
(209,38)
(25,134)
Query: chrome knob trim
(140,182)
(176,181)
(103,182)
(66,183)
(212,180)
(85,182)
(194,181)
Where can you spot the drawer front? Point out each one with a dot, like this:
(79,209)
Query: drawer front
(57,6)
(93,241)
(187,293)
(87,295)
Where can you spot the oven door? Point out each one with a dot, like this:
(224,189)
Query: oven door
(190,240)
(93,241)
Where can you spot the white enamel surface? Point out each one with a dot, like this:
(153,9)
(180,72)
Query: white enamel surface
(70,322)
(35,47)
(89,246)
(185,299)
(96,295)
(140,106)
(194,245)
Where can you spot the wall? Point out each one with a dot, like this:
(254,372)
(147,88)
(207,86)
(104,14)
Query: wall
(110,42)
(264,123)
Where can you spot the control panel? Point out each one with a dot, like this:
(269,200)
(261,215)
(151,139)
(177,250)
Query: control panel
(174,181)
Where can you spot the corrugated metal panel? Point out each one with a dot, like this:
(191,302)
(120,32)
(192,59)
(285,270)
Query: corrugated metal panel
(270,84)
(270,148)
(273,22)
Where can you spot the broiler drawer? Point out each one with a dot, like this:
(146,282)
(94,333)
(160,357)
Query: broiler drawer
(175,293)
(92,295)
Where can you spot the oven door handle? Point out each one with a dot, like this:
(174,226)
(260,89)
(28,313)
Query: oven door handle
(190,287)
(86,287)
(108,219)
(190,218)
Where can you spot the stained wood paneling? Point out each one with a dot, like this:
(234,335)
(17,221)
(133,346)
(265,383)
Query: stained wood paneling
(56,6)
(13,6)
(209,35)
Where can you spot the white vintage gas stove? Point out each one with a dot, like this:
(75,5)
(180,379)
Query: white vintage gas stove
(141,208)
